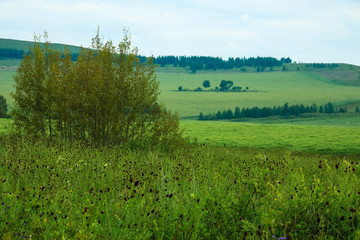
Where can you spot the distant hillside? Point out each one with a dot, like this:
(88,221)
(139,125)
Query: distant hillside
(25,45)
(343,74)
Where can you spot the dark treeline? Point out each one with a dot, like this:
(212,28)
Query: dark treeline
(213,63)
(322,65)
(285,110)
(11,53)
(19,54)
(193,62)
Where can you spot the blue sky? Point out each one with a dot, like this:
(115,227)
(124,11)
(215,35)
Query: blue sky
(305,30)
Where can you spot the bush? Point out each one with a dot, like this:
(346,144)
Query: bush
(107,97)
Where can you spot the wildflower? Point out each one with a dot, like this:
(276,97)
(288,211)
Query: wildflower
(192,195)
(45,220)
(280,238)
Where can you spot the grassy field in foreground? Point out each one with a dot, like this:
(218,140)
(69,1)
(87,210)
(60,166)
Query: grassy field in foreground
(333,139)
(193,193)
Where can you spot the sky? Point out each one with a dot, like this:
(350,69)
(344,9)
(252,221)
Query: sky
(322,31)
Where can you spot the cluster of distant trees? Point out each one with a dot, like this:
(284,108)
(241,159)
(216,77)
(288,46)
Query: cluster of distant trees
(19,54)
(213,63)
(225,86)
(285,110)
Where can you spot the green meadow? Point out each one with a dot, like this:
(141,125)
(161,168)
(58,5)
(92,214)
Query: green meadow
(266,178)
(274,88)
(310,138)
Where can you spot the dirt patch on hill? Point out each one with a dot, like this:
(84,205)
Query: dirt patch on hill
(346,77)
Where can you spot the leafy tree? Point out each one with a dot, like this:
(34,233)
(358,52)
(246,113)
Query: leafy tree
(226,85)
(180,88)
(357,109)
(107,97)
(206,84)
(3,107)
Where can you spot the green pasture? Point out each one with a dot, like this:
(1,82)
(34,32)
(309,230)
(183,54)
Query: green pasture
(335,139)
(274,88)
(337,119)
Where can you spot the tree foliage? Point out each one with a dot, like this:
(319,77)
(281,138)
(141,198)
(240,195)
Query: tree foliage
(206,84)
(108,96)
(3,107)
(226,85)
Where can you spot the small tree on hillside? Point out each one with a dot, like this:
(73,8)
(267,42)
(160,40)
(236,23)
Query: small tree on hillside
(206,84)
(357,110)
(226,85)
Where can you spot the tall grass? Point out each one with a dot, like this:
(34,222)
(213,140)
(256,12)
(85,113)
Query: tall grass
(197,192)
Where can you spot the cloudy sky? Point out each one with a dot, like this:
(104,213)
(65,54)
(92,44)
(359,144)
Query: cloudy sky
(305,30)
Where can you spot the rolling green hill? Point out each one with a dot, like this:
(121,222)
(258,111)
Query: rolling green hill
(274,88)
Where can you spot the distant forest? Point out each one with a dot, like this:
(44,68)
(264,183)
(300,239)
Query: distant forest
(194,63)
(285,110)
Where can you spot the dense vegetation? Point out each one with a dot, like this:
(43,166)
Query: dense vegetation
(285,110)
(191,193)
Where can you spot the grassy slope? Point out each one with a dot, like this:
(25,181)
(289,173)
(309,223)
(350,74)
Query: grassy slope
(275,88)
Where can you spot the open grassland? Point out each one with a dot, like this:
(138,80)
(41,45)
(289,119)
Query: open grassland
(193,193)
(274,88)
(334,139)
(337,119)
